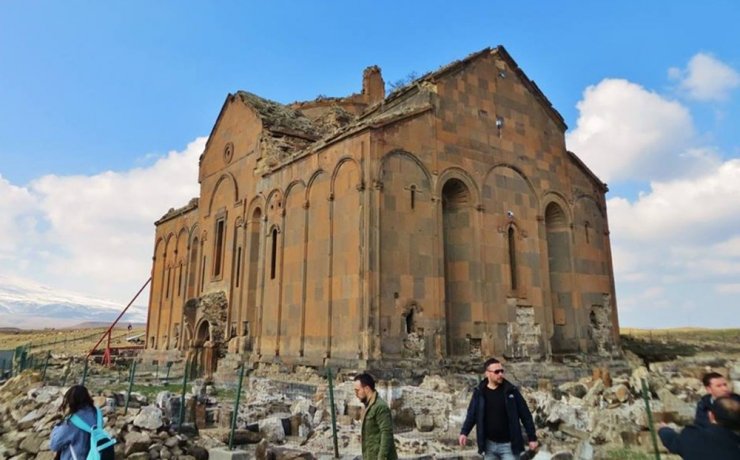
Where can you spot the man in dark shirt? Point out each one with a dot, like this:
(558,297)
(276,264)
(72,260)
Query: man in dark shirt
(717,387)
(496,408)
(719,440)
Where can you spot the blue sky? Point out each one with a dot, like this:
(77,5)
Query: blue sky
(115,94)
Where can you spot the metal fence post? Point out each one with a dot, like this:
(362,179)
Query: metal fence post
(130,385)
(333,412)
(235,412)
(84,374)
(46,364)
(182,396)
(167,376)
(650,418)
(66,373)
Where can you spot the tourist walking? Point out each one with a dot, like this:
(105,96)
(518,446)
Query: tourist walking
(377,426)
(495,409)
(65,437)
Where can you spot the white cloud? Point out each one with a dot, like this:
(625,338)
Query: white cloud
(627,132)
(706,78)
(689,209)
(94,234)
(17,208)
(676,244)
(682,235)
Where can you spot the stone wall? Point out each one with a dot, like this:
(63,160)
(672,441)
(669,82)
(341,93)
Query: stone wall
(444,222)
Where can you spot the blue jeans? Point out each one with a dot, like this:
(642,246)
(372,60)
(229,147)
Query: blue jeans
(498,451)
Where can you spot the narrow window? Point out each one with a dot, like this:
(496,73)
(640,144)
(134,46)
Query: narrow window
(512,258)
(238,265)
(273,264)
(413,196)
(179,282)
(167,289)
(218,248)
(587,226)
(202,273)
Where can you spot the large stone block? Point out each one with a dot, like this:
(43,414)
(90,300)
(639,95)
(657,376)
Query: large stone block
(223,453)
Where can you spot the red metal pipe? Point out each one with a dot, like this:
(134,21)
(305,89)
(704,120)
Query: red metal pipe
(108,332)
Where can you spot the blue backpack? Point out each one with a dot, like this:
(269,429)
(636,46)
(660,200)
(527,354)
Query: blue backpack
(101,443)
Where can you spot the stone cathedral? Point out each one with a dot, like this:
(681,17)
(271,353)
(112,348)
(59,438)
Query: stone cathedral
(442,222)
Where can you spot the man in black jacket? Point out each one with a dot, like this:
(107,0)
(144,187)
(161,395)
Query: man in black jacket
(717,387)
(719,440)
(496,409)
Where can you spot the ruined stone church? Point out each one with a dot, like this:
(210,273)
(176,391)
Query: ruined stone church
(443,221)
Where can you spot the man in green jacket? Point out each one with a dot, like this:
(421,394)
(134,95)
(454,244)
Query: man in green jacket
(377,426)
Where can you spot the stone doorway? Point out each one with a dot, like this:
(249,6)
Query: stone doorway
(203,356)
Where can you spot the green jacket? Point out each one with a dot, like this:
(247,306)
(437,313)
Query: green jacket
(377,431)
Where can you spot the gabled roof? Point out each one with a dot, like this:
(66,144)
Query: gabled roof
(499,51)
(277,118)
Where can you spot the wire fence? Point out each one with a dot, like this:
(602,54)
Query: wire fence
(125,381)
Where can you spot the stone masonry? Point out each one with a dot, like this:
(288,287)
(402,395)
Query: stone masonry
(443,222)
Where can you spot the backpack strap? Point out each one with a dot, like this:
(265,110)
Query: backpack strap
(79,423)
(99,418)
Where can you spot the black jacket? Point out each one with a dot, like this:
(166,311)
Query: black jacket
(700,443)
(703,406)
(516,410)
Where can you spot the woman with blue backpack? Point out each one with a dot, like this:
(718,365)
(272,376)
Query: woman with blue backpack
(80,434)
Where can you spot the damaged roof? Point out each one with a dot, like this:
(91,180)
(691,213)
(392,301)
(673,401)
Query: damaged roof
(499,51)
(294,134)
(279,118)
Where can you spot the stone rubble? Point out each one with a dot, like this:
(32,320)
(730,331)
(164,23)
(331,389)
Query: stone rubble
(287,416)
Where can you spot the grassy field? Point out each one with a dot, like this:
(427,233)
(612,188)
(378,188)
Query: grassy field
(671,342)
(688,334)
(654,345)
(73,341)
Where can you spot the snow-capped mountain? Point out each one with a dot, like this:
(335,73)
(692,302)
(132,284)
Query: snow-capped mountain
(26,304)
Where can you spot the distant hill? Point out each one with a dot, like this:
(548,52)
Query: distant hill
(27,305)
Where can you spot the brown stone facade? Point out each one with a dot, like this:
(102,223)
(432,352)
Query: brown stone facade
(445,221)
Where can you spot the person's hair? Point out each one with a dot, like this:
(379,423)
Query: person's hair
(75,399)
(488,362)
(726,412)
(709,376)
(366,380)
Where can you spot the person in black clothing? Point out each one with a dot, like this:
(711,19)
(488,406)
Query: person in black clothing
(717,387)
(718,441)
(496,408)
